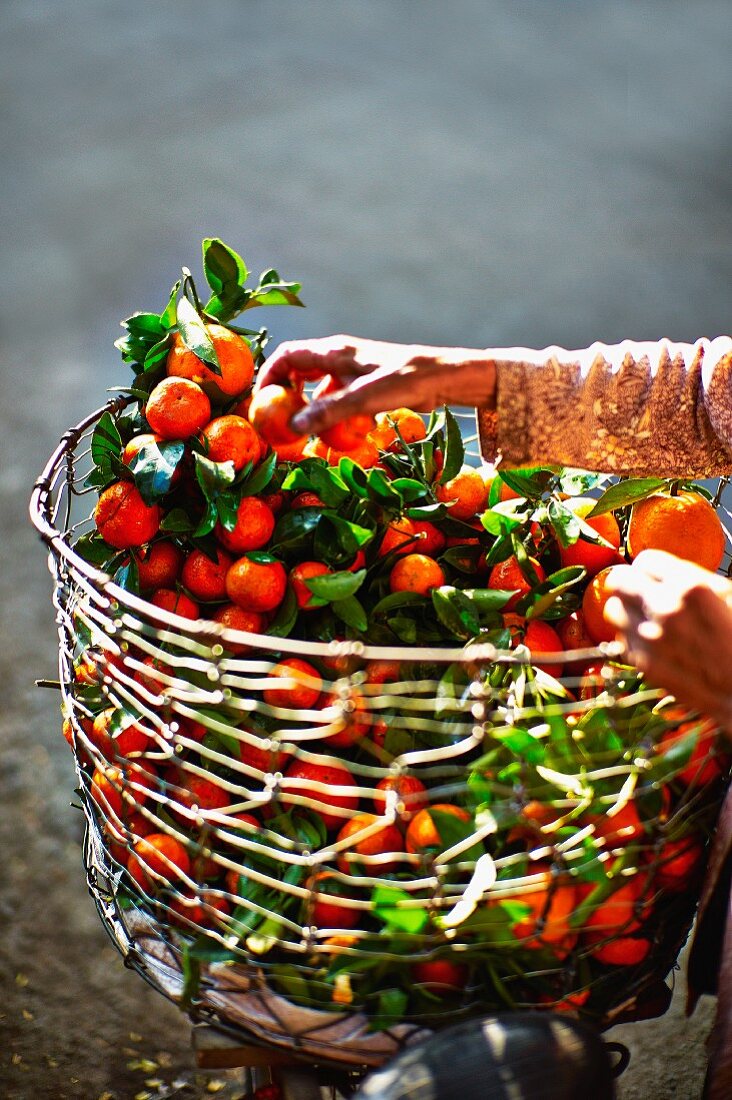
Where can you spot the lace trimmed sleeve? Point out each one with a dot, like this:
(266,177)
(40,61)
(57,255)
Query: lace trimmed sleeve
(651,408)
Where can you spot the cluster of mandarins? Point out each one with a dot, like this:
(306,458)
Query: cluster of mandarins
(208,504)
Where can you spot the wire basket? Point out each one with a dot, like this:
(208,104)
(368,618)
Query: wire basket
(556,869)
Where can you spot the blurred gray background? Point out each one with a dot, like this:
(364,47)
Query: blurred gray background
(472,172)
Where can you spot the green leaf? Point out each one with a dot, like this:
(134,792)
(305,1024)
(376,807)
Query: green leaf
(466,559)
(156,354)
(336,586)
(397,599)
(213,477)
(564,523)
(352,612)
(315,475)
(380,489)
(93,549)
(452,830)
(168,317)
(386,902)
(354,477)
(454,448)
(429,512)
(146,326)
(537,602)
(499,523)
(286,617)
(530,482)
(579,482)
(627,492)
(222,266)
(488,599)
(272,291)
(207,521)
(260,478)
(455,611)
(177,521)
(154,466)
(105,444)
(227,508)
(294,531)
(390,1009)
(408,488)
(195,337)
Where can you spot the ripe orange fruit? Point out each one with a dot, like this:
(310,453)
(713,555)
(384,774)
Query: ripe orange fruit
(617,914)
(507,575)
(506,493)
(319,783)
(685,525)
(383,672)
(679,865)
(704,766)
(400,533)
(160,566)
(232,438)
(574,636)
(271,410)
(411,792)
(307,500)
(122,517)
(236,618)
(353,722)
(423,833)
(301,573)
(411,428)
(593,605)
(624,951)
(200,911)
(381,841)
(291,452)
(256,586)
(122,789)
(416,573)
(206,579)
(465,494)
(592,555)
(255,523)
(128,740)
(363,454)
(326,910)
(177,603)
(261,759)
(440,975)
(135,445)
(177,409)
(431,540)
(540,638)
(300,687)
(622,828)
(198,793)
(348,434)
(158,855)
(234,356)
(551,907)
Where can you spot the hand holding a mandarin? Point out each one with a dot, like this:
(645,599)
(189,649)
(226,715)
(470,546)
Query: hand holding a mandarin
(378,376)
(675,621)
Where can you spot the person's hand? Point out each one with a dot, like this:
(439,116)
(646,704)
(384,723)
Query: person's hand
(379,376)
(675,621)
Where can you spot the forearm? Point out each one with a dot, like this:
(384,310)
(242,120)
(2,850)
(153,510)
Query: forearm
(629,408)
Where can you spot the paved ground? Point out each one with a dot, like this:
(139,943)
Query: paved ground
(473,172)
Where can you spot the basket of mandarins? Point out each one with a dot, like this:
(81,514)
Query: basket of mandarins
(355,754)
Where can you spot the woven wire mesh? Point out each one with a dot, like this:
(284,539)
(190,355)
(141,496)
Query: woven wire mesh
(308,938)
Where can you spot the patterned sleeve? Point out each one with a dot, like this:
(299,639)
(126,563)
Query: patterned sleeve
(652,408)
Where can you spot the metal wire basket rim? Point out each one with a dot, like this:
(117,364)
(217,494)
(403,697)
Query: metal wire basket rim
(214,633)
